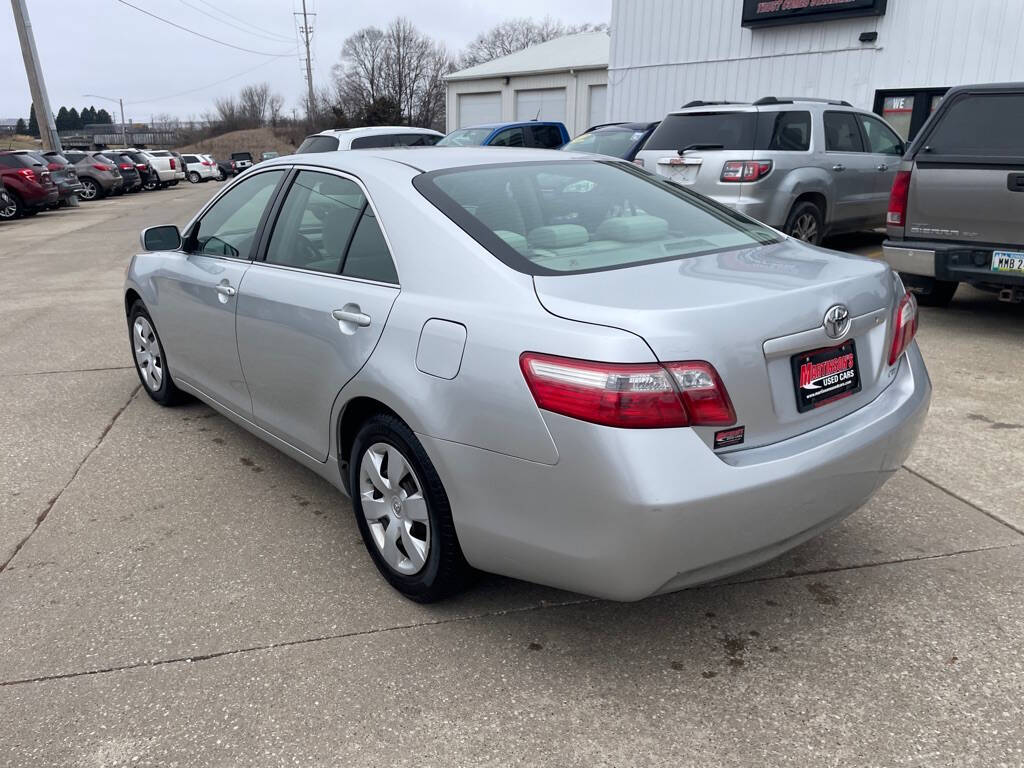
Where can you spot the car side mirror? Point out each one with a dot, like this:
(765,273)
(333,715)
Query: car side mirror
(163,238)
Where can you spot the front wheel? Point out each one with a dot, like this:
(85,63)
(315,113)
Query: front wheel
(806,222)
(149,358)
(403,513)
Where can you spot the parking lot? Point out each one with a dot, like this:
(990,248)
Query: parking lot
(176,592)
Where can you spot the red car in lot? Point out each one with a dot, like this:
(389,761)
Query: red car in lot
(28,185)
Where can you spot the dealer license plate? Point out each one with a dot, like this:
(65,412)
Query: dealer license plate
(825,375)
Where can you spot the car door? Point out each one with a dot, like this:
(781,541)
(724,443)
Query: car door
(509,137)
(853,172)
(311,309)
(197,293)
(885,149)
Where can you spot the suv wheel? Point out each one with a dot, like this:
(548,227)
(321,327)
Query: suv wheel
(933,293)
(806,222)
(90,189)
(403,512)
(13,209)
(193,176)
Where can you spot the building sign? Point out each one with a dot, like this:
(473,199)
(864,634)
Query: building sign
(767,13)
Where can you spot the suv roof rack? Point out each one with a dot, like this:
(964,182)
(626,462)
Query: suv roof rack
(699,103)
(791,99)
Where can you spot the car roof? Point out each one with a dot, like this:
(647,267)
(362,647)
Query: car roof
(623,127)
(512,124)
(429,158)
(373,130)
(767,104)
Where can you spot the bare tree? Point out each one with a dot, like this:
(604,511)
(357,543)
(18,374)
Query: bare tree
(228,114)
(274,106)
(514,35)
(253,104)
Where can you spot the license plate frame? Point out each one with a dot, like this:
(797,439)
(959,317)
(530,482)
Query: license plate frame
(1016,259)
(825,375)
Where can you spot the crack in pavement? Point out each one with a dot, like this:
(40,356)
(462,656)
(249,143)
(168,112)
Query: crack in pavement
(963,500)
(43,515)
(438,622)
(70,370)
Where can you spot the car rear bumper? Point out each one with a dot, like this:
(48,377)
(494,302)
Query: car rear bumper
(962,262)
(625,514)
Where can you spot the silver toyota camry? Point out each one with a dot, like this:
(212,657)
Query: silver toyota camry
(556,367)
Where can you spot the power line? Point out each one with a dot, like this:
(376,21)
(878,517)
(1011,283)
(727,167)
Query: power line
(236,18)
(204,87)
(274,38)
(200,34)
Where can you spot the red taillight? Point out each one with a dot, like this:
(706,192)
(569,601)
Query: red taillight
(897,214)
(54,166)
(748,170)
(101,167)
(126,166)
(28,173)
(904,326)
(140,166)
(207,162)
(173,166)
(639,396)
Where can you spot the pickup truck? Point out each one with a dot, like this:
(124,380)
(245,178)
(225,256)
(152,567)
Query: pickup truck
(240,161)
(168,168)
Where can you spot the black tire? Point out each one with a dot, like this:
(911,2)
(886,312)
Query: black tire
(167,393)
(445,571)
(806,222)
(151,184)
(12,210)
(221,176)
(174,183)
(90,190)
(193,177)
(934,293)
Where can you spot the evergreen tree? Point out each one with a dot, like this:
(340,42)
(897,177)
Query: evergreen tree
(104,117)
(21,129)
(88,115)
(62,119)
(74,121)
(33,125)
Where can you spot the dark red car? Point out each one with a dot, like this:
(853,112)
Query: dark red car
(28,184)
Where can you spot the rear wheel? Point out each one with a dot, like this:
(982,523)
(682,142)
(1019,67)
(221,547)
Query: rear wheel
(193,177)
(806,222)
(13,209)
(90,189)
(150,184)
(403,513)
(930,292)
(150,361)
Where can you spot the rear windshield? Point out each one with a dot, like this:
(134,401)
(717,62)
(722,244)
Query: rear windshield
(729,130)
(582,215)
(617,142)
(465,137)
(317,144)
(980,125)
(14,160)
(161,153)
(241,156)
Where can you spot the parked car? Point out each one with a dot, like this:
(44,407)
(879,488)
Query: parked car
(240,161)
(558,368)
(621,140)
(144,165)
(28,183)
(168,167)
(807,167)
(538,135)
(373,137)
(62,173)
(957,206)
(99,177)
(6,202)
(269,155)
(126,165)
(198,168)
(223,170)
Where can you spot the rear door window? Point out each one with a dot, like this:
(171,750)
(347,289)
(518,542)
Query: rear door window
(544,136)
(229,227)
(784,131)
(510,137)
(981,125)
(842,133)
(729,130)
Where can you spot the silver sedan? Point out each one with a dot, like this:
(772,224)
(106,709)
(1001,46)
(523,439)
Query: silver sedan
(551,366)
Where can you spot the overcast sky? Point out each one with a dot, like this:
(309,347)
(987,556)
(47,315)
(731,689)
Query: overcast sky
(106,48)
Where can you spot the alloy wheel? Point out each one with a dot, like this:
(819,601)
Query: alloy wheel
(89,190)
(394,507)
(805,228)
(149,357)
(9,209)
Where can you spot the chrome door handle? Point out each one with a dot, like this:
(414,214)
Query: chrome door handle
(353,316)
(225,290)
(883,167)
(838,167)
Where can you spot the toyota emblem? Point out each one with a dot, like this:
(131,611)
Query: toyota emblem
(837,321)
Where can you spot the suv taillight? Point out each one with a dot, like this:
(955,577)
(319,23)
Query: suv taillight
(904,326)
(101,167)
(638,396)
(27,173)
(897,215)
(126,166)
(173,166)
(746,170)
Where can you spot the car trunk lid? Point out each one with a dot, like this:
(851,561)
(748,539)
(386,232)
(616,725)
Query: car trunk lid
(747,312)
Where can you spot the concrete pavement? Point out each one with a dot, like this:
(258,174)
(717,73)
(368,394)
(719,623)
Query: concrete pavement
(178,593)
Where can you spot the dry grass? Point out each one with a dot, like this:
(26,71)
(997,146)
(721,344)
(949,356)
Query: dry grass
(19,142)
(254,141)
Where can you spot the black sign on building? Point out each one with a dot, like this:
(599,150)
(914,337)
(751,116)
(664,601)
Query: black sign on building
(770,13)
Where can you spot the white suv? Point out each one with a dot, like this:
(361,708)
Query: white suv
(370,138)
(198,168)
(166,165)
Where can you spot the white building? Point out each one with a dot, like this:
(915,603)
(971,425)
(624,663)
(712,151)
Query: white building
(897,58)
(563,79)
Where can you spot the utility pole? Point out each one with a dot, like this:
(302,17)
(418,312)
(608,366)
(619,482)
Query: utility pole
(36,84)
(307,34)
(124,129)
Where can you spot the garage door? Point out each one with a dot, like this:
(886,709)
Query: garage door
(541,104)
(476,108)
(598,104)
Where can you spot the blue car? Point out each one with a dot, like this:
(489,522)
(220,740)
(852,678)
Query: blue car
(532,133)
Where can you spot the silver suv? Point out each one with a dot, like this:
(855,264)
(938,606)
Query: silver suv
(808,167)
(958,201)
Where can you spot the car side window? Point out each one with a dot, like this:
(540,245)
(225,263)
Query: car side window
(229,227)
(316,222)
(545,136)
(368,256)
(415,140)
(510,137)
(881,140)
(842,133)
